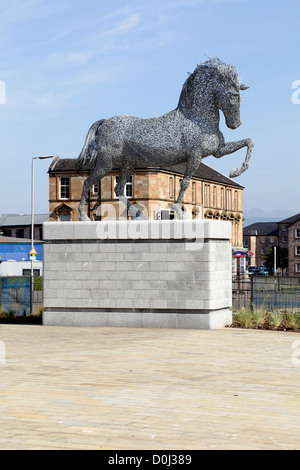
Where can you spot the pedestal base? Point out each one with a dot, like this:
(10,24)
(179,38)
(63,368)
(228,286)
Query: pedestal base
(154,274)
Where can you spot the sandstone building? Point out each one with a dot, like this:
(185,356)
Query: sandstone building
(153,191)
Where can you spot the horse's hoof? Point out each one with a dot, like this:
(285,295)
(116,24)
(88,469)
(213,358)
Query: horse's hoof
(234,172)
(177,208)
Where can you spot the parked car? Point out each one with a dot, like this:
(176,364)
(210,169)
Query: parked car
(258,270)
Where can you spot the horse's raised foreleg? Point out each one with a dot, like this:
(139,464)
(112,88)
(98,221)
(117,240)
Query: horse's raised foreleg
(191,167)
(231,147)
(97,174)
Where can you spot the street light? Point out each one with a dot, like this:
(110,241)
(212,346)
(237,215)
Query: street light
(32,215)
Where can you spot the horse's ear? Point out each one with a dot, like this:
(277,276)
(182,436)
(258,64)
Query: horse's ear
(244,87)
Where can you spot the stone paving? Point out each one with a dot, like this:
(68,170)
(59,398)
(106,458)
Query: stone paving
(67,388)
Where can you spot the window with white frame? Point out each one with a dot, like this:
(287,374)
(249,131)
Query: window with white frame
(95,189)
(297,250)
(298,268)
(297,232)
(284,239)
(128,190)
(65,187)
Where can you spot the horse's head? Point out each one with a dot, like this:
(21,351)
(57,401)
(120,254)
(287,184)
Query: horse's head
(227,92)
(213,84)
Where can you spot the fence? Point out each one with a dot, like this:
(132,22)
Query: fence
(280,292)
(271,292)
(18,297)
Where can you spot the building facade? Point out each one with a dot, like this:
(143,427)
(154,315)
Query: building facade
(263,236)
(152,190)
(19,226)
(259,238)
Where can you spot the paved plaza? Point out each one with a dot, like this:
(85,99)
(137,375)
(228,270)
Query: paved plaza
(86,388)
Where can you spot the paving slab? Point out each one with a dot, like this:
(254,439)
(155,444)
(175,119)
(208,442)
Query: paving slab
(81,388)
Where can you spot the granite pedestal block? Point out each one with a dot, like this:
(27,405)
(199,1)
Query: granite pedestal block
(156,274)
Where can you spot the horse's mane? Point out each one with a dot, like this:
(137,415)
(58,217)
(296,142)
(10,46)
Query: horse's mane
(212,67)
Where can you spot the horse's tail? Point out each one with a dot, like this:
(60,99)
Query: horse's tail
(88,154)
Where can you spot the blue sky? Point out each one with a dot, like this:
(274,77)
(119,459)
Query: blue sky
(68,63)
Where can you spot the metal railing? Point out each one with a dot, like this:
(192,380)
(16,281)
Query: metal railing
(16,292)
(269,292)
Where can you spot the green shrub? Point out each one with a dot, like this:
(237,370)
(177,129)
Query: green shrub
(259,316)
(244,317)
(275,318)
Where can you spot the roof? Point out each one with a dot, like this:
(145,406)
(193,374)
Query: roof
(261,228)
(204,171)
(9,220)
(290,220)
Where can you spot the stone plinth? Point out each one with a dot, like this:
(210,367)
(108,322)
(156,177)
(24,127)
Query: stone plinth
(156,274)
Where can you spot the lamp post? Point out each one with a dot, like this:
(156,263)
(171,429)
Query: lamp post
(32,219)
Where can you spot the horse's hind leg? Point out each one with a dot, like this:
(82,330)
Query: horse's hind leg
(97,174)
(191,167)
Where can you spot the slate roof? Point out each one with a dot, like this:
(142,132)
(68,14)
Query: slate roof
(290,220)
(9,220)
(204,171)
(261,228)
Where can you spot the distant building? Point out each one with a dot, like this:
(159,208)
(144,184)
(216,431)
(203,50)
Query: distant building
(289,236)
(210,195)
(260,237)
(19,226)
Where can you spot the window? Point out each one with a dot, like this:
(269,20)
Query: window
(206,195)
(235,200)
(297,232)
(194,193)
(171,187)
(27,272)
(262,240)
(128,186)
(215,196)
(95,188)
(297,250)
(272,240)
(20,233)
(298,268)
(284,228)
(65,188)
(284,239)
(222,198)
(228,192)
(65,217)
(246,243)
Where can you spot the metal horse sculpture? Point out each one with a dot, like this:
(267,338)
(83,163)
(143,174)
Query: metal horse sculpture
(187,134)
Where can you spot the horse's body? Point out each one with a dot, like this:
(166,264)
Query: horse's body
(187,134)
